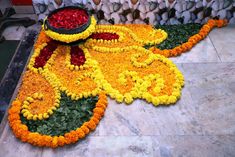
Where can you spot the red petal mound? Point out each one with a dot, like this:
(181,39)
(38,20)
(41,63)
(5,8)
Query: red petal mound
(45,54)
(77,56)
(105,36)
(68,18)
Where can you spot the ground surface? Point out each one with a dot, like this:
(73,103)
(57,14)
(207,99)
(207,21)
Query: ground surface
(201,124)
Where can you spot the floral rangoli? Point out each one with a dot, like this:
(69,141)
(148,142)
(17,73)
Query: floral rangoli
(63,94)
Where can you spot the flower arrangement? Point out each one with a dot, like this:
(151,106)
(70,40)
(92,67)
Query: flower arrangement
(63,93)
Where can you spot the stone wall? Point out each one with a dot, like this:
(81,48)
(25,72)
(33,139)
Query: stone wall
(147,11)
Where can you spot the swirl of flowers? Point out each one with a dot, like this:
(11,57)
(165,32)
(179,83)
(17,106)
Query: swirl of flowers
(21,130)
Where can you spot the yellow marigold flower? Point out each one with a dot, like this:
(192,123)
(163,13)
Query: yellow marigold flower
(29,117)
(40,116)
(35,117)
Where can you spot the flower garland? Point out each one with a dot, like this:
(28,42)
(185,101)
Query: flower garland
(192,41)
(68,38)
(21,130)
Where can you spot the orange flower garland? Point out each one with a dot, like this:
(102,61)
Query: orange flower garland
(21,130)
(192,41)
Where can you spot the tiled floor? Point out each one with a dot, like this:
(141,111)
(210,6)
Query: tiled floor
(201,124)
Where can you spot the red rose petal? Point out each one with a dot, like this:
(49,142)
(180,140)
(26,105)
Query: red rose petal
(45,54)
(68,18)
(105,36)
(77,56)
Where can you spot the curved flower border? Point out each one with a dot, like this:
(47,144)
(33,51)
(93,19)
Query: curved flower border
(192,41)
(68,38)
(21,130)
(38,96)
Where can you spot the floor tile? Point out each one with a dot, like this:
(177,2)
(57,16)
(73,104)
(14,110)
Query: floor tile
(12,147)
(224,42)
(193,146)
(106,146)
(212,87)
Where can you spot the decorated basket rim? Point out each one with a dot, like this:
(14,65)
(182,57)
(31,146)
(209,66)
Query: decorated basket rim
(67,31)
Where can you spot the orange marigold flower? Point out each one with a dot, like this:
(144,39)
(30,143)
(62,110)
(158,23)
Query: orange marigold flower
(61,140)
(13,117)
(97,116)
(95,120)
(91,125)
(173,52)
(16,103)
(85,129)
(54,142)
(101,105)
(189,45)
(211,22)
(14,109)
(80,133)
(99,110)
(221,23)
(24,136)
